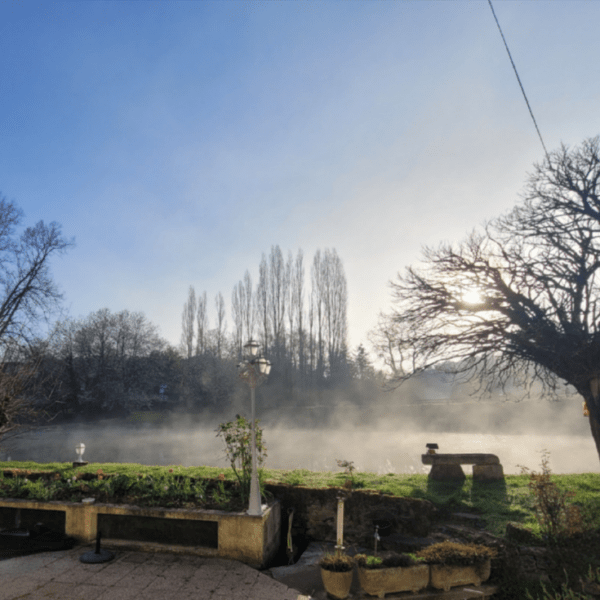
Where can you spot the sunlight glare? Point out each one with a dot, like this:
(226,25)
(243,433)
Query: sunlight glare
(472,297)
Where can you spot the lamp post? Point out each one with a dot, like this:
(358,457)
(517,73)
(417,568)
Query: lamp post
(253,371)
(80,449)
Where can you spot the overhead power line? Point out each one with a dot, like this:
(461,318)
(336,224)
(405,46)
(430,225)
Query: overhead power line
(519,80)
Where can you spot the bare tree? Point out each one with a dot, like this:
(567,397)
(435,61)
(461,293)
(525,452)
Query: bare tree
(28,295)
(187,323)
(276,298)
(237,315)
(106,351)
(261,303)
(297,308)
(518,300)
(202,325)
(242,307)
(28,291)
(247,305)
(291,313)
(336,301)
(329,299)
(18,386)
(388,340)
(317,300)
(220,330)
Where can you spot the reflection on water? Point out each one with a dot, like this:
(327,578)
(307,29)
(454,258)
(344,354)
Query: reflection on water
(376,451)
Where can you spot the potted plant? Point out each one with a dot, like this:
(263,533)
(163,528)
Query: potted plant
(380,575)
(336,571)
(455,564)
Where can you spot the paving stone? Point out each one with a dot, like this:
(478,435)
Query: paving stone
(134,557)
(66,591)
(121,593)
(14,588)
(111,576)
(135,576)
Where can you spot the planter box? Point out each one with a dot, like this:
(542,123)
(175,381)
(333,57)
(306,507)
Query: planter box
(378,582)
(253,540)
(444,577)
(337,584)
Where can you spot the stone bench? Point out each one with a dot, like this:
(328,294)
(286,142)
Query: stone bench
(444,467)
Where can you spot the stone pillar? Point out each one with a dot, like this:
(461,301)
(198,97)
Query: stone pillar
(446,472)
(487,472)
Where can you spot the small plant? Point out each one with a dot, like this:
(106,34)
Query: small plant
(369,561)
(119,485)
(416,559)
(238,436)
(15,487)
(336,562)
(555,517)
(349,466)
(220,496)
(567,593)
(36,490)
(395,560)
(451,553)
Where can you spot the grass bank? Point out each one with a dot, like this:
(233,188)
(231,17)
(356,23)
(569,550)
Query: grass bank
(496,503)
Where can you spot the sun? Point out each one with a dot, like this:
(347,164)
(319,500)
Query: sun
(472,297)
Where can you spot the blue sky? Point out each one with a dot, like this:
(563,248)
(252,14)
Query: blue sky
(178,141)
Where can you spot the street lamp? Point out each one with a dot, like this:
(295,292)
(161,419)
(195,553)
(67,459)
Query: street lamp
(253,371)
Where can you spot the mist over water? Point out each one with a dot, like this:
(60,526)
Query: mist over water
(380,439)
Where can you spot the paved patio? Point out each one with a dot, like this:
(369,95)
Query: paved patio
(135,576)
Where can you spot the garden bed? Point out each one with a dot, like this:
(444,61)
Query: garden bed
(166,490)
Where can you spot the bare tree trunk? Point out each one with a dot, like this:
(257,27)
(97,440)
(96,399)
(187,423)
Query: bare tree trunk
(595,427)
(592,400)
(277,296)
(298,302)
(237,302)
(248,307)
(202,323)
(187,323)
(220,306)
(261,303)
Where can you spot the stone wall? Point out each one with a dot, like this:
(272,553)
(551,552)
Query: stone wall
(315,513)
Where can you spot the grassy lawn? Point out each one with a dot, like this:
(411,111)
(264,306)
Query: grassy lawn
(496,503)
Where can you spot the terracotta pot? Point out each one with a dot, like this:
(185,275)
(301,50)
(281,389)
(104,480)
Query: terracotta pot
(444,577)
(379,582)
(337,584)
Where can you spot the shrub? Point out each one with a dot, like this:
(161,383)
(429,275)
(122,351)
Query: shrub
(567,593)
(556,518)
(220,495)
(238,436)
(451,553)
(339,563)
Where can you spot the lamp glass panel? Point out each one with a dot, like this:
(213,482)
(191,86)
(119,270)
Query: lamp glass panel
(252,348)
(264,366)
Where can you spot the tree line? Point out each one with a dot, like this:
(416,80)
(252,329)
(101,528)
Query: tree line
(302,330)
(111,364)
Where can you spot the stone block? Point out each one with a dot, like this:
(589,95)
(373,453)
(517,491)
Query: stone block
(446,472)
(460,459)
(487,472)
